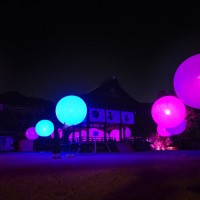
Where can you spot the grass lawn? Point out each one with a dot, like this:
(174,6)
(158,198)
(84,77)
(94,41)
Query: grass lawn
(170,175)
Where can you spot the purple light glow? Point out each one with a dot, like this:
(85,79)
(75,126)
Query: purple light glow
(187,81)
(31,133)
(168,111)
(127,132)
(177,129)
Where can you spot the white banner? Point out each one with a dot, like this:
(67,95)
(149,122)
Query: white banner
(113,116)
(127,117)
(97,115)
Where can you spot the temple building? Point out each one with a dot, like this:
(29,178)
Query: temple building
(112,114)
(17,114)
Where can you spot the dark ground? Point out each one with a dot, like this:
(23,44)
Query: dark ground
(111,176)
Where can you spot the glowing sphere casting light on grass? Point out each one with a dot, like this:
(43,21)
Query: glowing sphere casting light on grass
(168,111)
(44,128)
(71,110)
(31,133)
(187,81)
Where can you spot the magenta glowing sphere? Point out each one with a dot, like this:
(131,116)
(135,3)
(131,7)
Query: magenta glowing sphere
(163,132)
(187,81)
(31,133)
(168,111)
(177,129)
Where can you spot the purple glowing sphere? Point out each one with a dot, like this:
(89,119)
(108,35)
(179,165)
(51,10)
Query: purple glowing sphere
(187,81)
(163,131)
(168,111)
(31,133)
(177,129)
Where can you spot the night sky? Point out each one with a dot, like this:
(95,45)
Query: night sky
(49,50)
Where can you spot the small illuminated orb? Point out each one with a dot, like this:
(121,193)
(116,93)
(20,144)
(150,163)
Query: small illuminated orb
(177,129)
(187,81)
(168,111)
(44,128)
(71,110)
(163,131)
(31,133)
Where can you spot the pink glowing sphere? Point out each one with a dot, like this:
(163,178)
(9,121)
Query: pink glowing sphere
(31,133)
(177,129)
(163,132)
(168,111)
(187,81)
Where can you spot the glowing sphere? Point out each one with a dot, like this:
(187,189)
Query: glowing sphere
(163,132)
(71,110)
(187,81)
(31,133)
(177,129)
(168,111)
(44,128)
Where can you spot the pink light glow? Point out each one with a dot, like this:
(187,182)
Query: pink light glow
(187,81)
(31,133)
(168,111)
(115,134)
(163,131)
(84,134)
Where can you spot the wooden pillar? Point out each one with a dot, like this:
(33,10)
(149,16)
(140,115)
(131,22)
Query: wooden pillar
(80,128)
(105,125)
(120,127)
(73,134)
(87,127)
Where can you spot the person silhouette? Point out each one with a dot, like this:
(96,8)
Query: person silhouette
(56,150)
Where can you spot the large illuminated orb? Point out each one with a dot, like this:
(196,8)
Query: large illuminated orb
(71,110)
(44,128)
(187,81)
(177,129)
(168,111)
(31,133)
